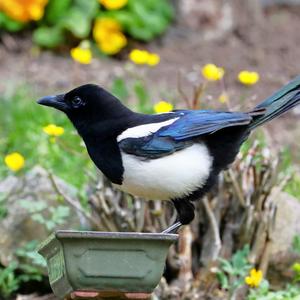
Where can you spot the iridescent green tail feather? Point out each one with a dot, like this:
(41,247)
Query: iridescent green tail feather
(277,104)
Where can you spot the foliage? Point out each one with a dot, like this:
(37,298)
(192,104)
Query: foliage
(138,89)
(293,186)
(288,167)
(3,208)
(291,292)
(231,273)
(64,21)
(9,282)
(296,244)
(50,217)
(143,20)
(27,268)
(21,129)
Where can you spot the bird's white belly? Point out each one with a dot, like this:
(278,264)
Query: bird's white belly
(169,177)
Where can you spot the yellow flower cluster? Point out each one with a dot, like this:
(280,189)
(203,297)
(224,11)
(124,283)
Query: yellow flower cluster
(254,279)
(53,130)
(24,10)
(82,53)
(108,34)
(212,72)
(163,107)
(14,161)
(113,4)
(248,78)
(142,57)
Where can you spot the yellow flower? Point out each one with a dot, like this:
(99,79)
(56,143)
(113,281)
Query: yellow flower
(24,10)
(248,78)
(104,26)
(82,53)
(141,57)
(14,161)
(113,4)
(36,12)
(254,279)
(212,73)
(113,43)
(162,107)
(153,59)
(53,130)
(108,35)
(223,98)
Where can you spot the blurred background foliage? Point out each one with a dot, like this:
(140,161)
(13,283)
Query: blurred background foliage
(47,180)
(57,23)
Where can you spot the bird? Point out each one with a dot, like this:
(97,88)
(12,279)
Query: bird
(175,156)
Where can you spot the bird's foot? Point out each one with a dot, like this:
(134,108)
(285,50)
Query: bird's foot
(173,229)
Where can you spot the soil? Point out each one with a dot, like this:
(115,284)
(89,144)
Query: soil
(274,53)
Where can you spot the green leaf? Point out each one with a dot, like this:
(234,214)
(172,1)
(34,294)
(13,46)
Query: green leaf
(239,259)
(33,207)
(8,280)
(149,18)
(13,26)
(142,95)
(140,33)
(56,9)
(2,19)
(38,218)
(223,280)
(88,8)
(167,10)
(9,24)
(59,214)
(296,243)
(119,89)
(50,225)
(3,206)
(226,266)
(125,18)
(48,37)
(156,23)
(77,22)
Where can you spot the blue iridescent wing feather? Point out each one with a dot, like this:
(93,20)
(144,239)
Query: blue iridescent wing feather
(182,133)
(196,123)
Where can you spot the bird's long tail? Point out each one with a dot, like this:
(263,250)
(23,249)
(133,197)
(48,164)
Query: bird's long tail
(280,102)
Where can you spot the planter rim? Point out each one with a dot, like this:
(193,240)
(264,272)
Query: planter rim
(114,235)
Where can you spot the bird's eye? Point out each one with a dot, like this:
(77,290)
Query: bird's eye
(77,101)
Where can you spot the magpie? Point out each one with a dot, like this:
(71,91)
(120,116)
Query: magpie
(174,156)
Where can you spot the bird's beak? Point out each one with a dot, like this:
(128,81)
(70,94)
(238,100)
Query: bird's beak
(54,101)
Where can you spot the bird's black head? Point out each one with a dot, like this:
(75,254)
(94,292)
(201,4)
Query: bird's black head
(86,105)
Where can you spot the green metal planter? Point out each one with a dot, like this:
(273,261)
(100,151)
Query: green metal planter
(105,262)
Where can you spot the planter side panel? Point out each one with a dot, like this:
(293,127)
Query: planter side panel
(116,264)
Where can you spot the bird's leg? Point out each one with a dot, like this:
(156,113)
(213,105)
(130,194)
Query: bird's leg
(173,228)
(186,214)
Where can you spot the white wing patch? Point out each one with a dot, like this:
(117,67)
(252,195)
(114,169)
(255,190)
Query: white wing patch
(169,177)
(143,130)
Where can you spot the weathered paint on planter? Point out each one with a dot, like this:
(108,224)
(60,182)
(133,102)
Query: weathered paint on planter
(105,261)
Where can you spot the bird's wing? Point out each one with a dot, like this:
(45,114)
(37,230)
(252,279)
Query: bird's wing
(196,123)
(181,133)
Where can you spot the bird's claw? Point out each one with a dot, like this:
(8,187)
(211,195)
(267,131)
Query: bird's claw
(173,229)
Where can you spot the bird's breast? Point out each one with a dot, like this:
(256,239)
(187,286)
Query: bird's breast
(169,177)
